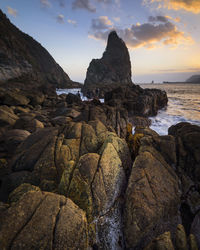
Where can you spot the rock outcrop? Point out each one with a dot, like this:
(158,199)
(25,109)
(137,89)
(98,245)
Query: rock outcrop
(113,69)
(194,79)
(21,57)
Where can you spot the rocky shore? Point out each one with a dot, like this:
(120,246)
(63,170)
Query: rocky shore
(74,176)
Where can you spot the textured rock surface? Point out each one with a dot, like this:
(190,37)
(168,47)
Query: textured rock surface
(60,222)
(114,68)
(22,56)
(152,197)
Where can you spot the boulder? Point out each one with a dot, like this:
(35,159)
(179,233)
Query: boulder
(7,117)
(152,200)
(28,124)
(62,224)
(187,142)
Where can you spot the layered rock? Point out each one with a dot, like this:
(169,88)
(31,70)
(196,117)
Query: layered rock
(137,101)
(21,57)
(113,69)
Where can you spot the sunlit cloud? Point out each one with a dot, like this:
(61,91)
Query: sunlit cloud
(73,22)
(83,4)
(60,18)
(45,3)
(159,31)
(116,19)
(12,11)
(101,23)
(187,5)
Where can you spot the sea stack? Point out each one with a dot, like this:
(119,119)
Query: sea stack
(113,69)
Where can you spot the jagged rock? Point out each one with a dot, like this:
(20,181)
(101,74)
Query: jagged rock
(113,69)
(163,242)
(192,242)
(7,117)
(187,139)
(29,124)
(195,228)
(61,223)
(22,57)
(13,98)
(181,239)
(152,200)
(137,101)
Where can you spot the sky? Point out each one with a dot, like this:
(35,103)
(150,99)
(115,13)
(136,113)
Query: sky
(162,35)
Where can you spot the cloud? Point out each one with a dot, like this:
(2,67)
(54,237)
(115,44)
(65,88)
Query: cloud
(61,3)
(149,35)
(60,18)
(12,11)
(101,23)
(187,5)
(83,4)
(73,22)
(161,19)
(116,19)
(45,3)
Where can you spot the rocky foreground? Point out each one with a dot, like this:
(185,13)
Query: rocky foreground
(74,177)
(72,174)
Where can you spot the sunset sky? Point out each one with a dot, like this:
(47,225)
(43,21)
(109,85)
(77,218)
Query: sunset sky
(162,35)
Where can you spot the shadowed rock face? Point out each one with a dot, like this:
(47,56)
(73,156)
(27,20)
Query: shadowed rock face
(22,56)
(113,68)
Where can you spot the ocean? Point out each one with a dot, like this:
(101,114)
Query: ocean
(183,105)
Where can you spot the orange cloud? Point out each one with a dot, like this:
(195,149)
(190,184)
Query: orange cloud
(187,5)
(158,31)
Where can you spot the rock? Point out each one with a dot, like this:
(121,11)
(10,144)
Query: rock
(163,242)
(152,200)
(30,125)
(181,239)
(71,99)
(13,98)
(7,118)
(195,228)
(192,242)
(57,217)
(137,101)
(187,140)
(13,138)
(22,57)
(114,68)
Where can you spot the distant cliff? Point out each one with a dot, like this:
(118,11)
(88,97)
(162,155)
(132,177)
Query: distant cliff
(194,79)
(23,57)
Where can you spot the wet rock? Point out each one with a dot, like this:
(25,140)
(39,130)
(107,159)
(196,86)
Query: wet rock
(13,98)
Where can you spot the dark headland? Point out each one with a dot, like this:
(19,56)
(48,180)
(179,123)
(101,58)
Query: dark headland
(72,174)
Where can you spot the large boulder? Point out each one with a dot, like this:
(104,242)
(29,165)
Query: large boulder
(152,197)
(61,224)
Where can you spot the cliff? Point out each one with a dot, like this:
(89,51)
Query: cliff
(194,79)
(23,57)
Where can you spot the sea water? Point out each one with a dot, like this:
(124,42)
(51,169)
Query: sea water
(183,105)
